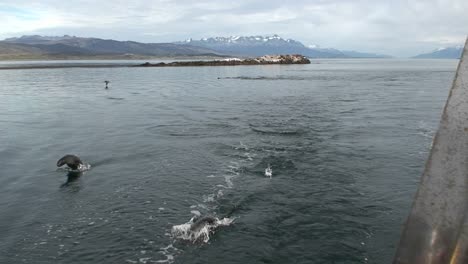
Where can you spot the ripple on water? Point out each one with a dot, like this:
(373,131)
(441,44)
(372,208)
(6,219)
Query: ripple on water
(192,130)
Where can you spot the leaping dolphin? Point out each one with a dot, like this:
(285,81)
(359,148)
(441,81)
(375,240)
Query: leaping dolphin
(72,161)
(201,222)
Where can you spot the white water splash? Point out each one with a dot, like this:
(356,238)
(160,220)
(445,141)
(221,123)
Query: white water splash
(228,180)
(168,252)
(195,212)
(268,171)
(202,234)
(81,168)
(84,167)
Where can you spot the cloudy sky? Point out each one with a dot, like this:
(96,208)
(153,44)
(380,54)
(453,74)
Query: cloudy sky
(395,27)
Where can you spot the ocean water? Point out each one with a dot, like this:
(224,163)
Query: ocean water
(346,140)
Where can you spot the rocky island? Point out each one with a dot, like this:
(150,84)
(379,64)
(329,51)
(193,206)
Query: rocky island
(263,60)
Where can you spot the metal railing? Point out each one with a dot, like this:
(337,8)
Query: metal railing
(436,230)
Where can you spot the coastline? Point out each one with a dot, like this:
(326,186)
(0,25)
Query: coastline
(46,57)
(68,65)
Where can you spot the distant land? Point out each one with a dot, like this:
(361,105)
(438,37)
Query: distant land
(274,44)
(442,53)
(71,47)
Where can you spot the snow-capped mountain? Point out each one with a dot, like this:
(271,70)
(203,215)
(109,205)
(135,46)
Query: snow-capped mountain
(443,53)
(272,44)
(257,46)
(249,40)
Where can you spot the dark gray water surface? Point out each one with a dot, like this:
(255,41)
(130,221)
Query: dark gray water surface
(346,139)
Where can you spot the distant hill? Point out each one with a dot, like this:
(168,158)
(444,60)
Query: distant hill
(350,53)
(357,54)
(263,45)
(442,53)
(69,46)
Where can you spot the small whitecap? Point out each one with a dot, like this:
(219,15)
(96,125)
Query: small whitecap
(195,212)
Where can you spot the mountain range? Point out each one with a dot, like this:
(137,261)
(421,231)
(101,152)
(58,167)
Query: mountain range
(35,46)
(57,47)
(442,53)
(274,44)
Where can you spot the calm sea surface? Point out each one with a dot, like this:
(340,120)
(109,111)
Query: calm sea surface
(346,139)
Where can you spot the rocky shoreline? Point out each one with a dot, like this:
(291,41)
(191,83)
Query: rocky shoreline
(264,60)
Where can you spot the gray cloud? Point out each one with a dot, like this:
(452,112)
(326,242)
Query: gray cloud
(397,27)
